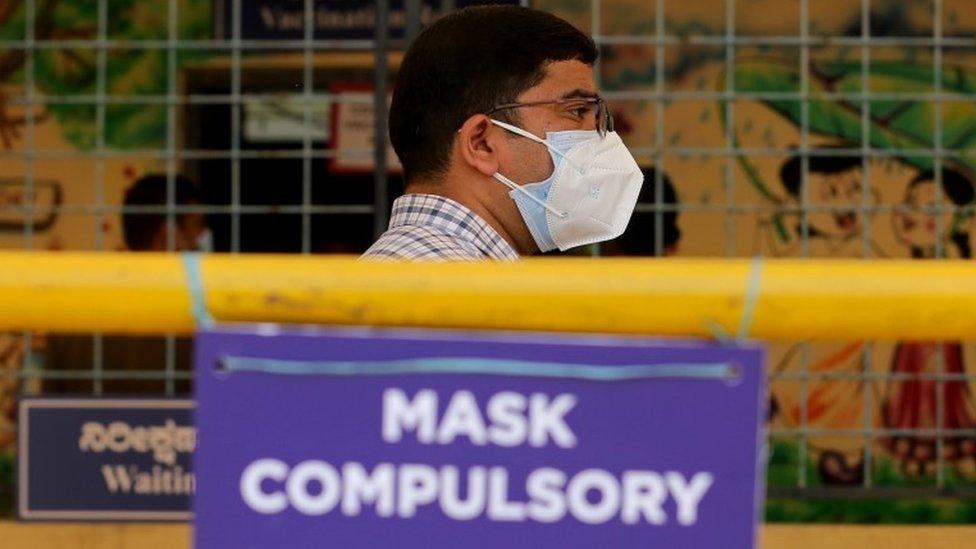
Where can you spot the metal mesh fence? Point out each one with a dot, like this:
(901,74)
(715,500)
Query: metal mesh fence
(765,128)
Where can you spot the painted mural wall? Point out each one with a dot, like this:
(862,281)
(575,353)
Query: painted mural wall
(849,206)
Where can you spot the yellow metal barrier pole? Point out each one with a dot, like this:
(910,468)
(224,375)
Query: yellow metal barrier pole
(776,299)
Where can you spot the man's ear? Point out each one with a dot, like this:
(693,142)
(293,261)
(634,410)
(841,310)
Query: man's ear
(477,144)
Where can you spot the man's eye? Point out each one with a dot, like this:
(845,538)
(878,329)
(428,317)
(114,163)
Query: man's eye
(580,111)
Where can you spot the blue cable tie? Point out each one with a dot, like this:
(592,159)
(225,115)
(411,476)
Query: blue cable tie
(753,285)
(752,296)
(198,296)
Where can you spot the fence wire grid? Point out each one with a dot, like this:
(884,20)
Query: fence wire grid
(203,82)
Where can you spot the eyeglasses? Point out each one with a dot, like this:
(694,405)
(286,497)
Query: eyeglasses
(604,120)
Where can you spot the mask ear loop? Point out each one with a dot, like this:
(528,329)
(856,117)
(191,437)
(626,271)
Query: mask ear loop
(518,188)
(519,131)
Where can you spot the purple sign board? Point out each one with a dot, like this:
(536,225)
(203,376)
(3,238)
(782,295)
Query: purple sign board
(408,438)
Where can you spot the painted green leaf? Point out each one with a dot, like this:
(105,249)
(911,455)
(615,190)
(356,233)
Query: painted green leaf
(893,124)
(135,71)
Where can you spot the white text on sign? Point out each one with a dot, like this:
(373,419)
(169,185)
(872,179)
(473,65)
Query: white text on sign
(591,496)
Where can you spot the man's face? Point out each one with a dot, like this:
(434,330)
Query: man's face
(192,226)
(187,232)
(525,161)
(840,196)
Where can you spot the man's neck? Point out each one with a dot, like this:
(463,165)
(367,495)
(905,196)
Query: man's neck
(460,193)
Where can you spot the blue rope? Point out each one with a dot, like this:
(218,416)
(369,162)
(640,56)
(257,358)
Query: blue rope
(753,286)
(752,296)
(194,283)
(482,366)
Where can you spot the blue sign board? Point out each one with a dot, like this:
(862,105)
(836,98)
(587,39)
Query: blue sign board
(401,438)
(105,459)
(333,19)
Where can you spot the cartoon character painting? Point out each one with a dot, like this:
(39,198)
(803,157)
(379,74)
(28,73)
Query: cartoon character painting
(931,224)
(834,200)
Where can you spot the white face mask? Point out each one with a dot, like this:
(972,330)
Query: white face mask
(590,195)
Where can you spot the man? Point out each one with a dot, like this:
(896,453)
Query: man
(507,148)
(136,364)
(149,231)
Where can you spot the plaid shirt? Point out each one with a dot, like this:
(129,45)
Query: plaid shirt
(433,228)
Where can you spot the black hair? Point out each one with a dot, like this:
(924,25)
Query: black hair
(960,191)
(790,172)
(139,228)
(640,237)
(466,63)
(957,187)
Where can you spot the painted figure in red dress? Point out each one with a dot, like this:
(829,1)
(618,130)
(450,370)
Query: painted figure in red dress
(912,399)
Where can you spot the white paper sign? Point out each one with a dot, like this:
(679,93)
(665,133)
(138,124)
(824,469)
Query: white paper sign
(353,140)
(283,119)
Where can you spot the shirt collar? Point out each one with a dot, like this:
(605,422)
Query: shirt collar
(449,216)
